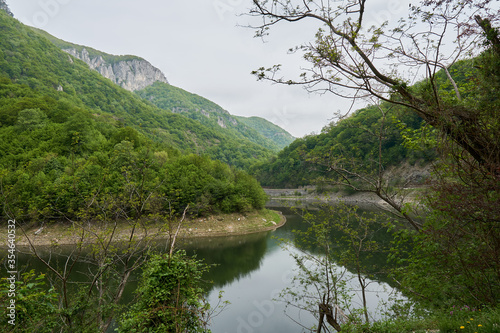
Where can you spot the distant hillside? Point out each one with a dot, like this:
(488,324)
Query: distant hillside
(128,71)
(136,74)
(27,58)
(212,115)
(349,142)
(271,131)
(73,144)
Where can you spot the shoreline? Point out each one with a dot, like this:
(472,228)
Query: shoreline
(222,225)
(356,198)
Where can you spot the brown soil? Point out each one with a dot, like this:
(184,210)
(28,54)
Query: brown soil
(213,226)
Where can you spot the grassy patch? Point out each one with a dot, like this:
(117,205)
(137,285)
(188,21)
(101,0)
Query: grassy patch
(455,320)
(270,216)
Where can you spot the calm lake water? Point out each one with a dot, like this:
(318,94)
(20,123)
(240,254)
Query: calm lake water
(251,271)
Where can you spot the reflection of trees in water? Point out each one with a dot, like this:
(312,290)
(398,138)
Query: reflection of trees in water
(57,257)
(233,258)
(374,263)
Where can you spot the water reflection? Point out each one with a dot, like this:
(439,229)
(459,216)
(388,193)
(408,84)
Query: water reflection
(231,258)
(250,269)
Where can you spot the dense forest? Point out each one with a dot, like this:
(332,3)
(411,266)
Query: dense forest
(68,135)
(77,149)
(305,161)
(261,132)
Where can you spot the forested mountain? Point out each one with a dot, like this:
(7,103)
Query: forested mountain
(69,137)
(136,74)
(271,131)
(29,59)
(212,115)
(402,136)
(355,141)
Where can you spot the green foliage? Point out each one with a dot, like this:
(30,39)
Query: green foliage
(211,186)
(35,305)
(33,70)
(269,130)
(456,250)
(59,149)
(341,247)
(454,260)
(211,115)
(351,142)
(455,319)
(170,297)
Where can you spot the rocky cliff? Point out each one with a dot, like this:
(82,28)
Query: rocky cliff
(132,74)
(4,7)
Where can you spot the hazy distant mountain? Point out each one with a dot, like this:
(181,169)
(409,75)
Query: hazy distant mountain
(257,130)
(130,72)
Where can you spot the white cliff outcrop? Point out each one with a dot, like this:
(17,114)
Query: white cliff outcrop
(132,74)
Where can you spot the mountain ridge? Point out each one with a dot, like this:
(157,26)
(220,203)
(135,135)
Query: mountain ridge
(268,129)
(129,72)
(137,75)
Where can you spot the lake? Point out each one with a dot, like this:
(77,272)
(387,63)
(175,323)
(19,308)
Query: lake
(251,271)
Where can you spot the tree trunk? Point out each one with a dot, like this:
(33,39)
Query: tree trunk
(327,310)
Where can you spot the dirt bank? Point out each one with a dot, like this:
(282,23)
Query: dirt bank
(213,226)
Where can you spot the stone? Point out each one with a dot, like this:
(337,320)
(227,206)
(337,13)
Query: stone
(132,75)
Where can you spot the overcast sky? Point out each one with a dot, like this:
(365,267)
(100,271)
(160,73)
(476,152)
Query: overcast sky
(201,47)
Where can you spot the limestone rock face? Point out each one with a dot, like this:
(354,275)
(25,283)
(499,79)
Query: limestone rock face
(134,74)
(4,7)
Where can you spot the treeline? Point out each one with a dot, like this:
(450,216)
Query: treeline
(33,62)
(356,138)
(56,158)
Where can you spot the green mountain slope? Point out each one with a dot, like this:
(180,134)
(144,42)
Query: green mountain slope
(73,145)
(269,130)
(177,100)
(27,58)
(349,142)
(210,114)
